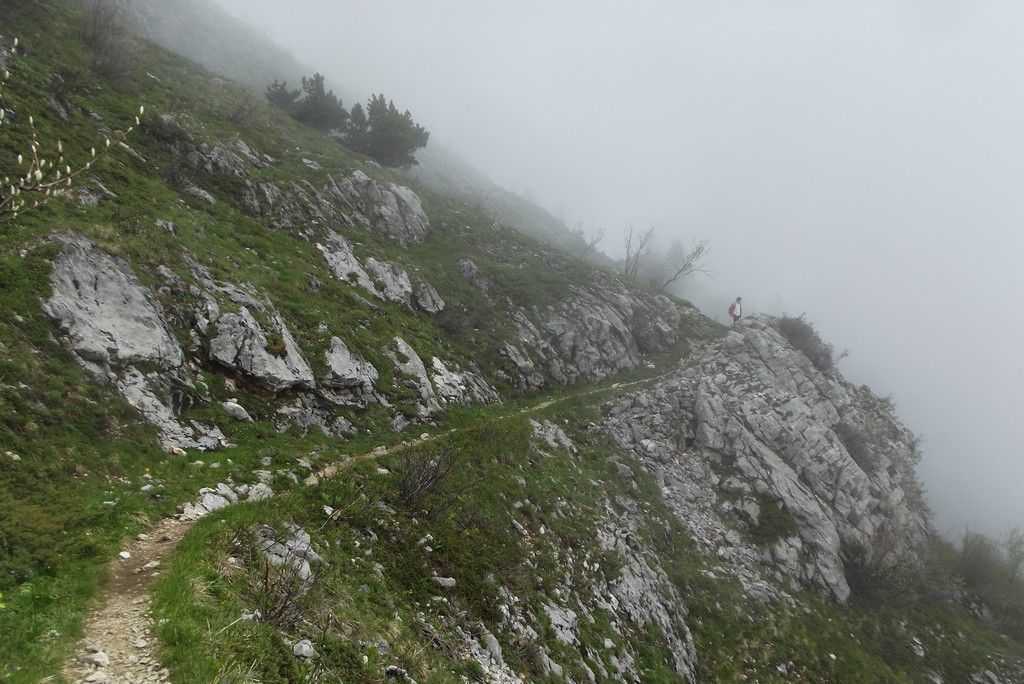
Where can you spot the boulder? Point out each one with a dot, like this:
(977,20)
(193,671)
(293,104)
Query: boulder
(388,208)
(108,317)
(348,375)
(303,650)
(427,298)
(242,345)
(236,411)
(392,281)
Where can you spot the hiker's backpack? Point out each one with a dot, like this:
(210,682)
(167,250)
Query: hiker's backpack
(732,309)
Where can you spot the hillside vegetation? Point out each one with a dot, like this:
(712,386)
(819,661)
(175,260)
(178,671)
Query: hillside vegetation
(313,421)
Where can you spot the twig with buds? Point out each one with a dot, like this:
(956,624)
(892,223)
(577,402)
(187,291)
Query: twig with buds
(44,179)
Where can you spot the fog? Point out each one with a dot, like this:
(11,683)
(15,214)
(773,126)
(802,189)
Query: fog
(860,162)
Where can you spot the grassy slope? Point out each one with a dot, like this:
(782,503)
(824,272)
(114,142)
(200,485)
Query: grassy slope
(73,493)
(468,517)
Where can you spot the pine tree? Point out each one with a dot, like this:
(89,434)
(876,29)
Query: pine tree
(319,107)
(358,124)
(278,94)
(388,136)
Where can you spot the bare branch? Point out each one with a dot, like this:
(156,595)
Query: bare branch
(694,261)
(637,246)
(594,239)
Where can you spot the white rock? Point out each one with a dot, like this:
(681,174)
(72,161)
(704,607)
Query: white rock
(260,492)
(236,411)
(303,649)
(242,344)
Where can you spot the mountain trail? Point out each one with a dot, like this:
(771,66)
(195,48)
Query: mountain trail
(118,645)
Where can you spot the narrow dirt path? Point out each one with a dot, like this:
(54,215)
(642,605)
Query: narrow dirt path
(118,645)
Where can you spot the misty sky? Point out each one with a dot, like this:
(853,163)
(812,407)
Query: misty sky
(862,162)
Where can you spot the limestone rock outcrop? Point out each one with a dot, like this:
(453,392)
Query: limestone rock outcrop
(344,265)
(349,376)
(755,436)
(597,331)
(242,344)
(391,280)
(427,298)
(410,365)
(107,316)
(460,386)
(113,324)
(387,208)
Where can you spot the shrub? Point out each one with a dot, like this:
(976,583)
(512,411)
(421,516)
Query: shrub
(319,107)
(104,32)
(802,335)
(423,472)
(927,577)
(279,95)
(275,345)
(774,523)
(990,572)
(273,590)
(980,563)
(314,105)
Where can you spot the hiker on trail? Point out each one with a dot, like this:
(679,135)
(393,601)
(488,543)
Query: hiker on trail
(736,310)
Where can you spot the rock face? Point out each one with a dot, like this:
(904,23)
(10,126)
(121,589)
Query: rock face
(427,298)
(597,331)
(242,345)
(409,364)
(460,386)
(390,209)
(112,323)
(818,471)
(344,265)
(350,376)
(526,374)
(392,281)
(108,317)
